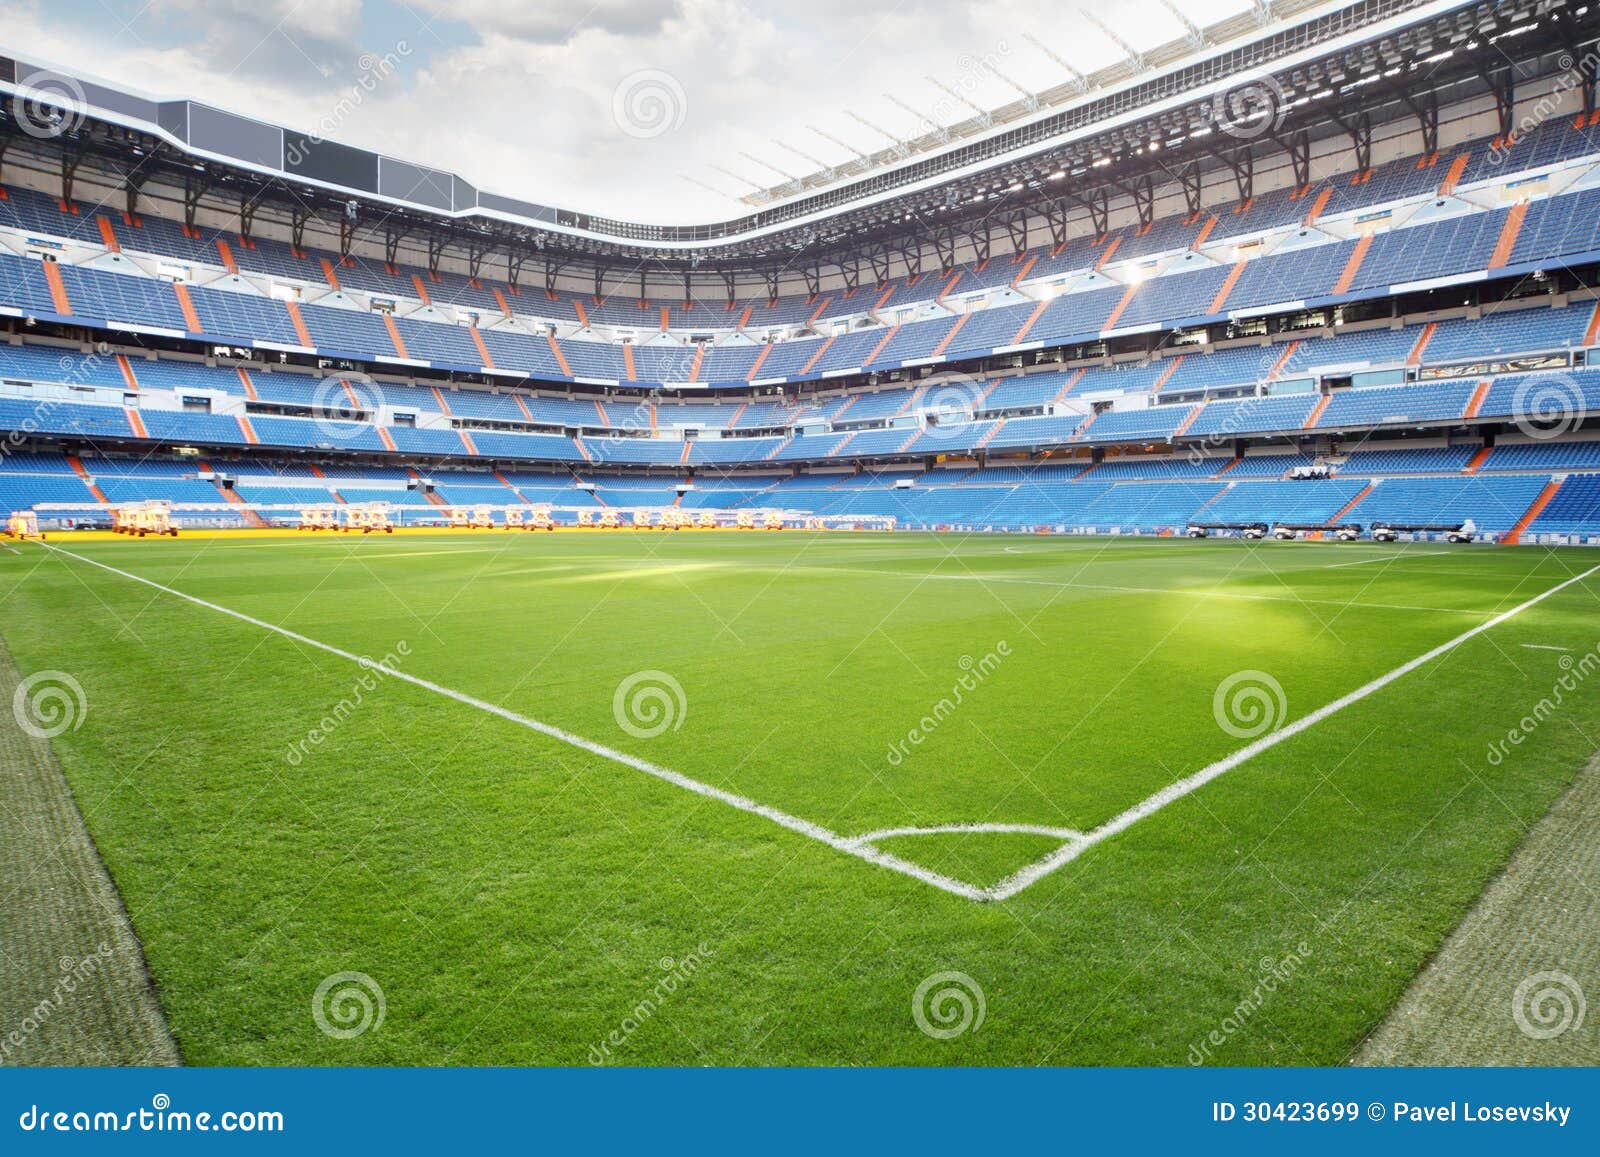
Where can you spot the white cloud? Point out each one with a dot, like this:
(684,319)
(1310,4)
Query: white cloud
(527,110)
(553,21)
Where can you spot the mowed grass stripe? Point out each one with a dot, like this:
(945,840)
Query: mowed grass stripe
(73,984)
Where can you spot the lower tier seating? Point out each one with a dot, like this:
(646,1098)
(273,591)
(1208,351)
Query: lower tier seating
(1156,497)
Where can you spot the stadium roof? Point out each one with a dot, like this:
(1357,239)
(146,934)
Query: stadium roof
(1033,162)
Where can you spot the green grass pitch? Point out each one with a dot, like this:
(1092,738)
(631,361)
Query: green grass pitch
(275,814)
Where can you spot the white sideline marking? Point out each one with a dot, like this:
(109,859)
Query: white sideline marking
(1193,592)
(783,819)
(1037,871)
(1385,558)
(1064,834)
(1544,647)
(425,553)
(1074,843)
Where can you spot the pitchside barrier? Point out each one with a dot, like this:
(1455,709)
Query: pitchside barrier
(165,518)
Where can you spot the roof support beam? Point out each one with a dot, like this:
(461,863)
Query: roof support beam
(1189,178)
(194,187)
(347,227)
(1055,217)
(1017,226)
(1143,193)
(1504,83)
(982,240)
(247,215)
(878,257)
(297,226)
(1359,129)
(1298,146)
(392,236)
(1098,205)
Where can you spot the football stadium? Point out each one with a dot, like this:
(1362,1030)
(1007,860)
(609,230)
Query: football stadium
(1096,570)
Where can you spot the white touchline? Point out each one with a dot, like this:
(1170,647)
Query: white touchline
(1194,592)
(1386,558)
(861,847)
(1068,852)
(783,819)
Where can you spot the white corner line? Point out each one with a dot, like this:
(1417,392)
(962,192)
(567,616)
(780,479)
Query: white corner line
(1148,807)
(1387,558)
(1074,843)
(783,819)
(1063,834)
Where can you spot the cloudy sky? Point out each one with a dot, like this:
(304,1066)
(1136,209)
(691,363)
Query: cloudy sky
(629,108)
